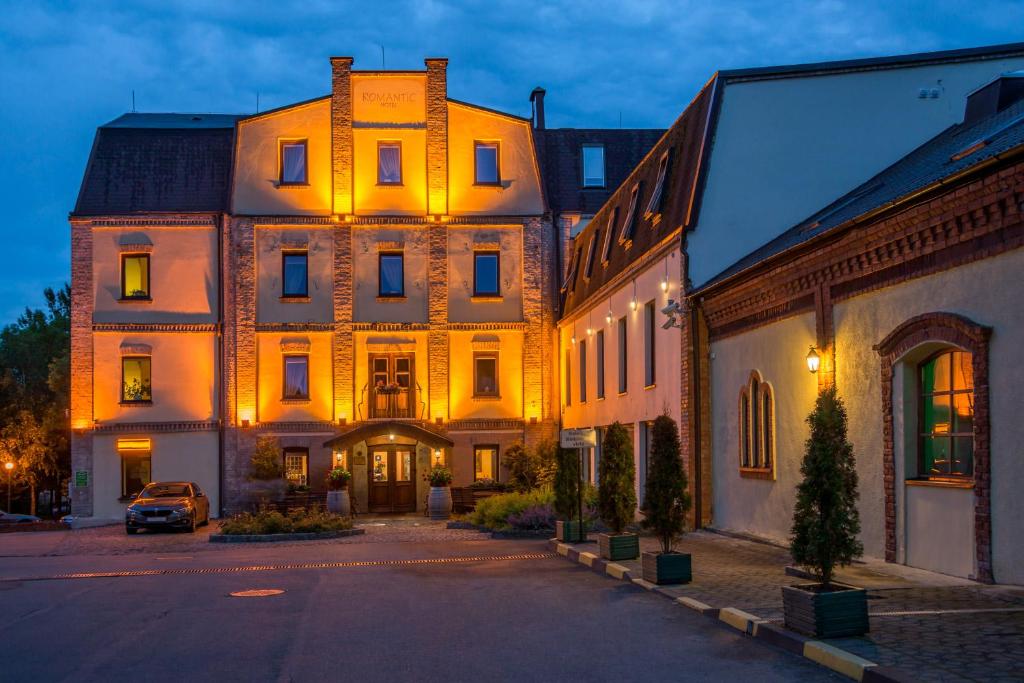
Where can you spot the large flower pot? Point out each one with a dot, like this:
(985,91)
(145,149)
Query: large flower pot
(569,532)
(339,502)
(439,503)
(623,546)
(814,611)
(666,568)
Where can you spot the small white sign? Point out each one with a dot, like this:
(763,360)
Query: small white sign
(578,438)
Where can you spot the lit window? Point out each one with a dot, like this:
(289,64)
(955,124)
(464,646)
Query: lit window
(606,251)
(654,206)
(649,322)
(135,276)
(389,163)
(623,356)
(591,250)
(392,275)
(296,466)
(626,234)
(485,374)
(583,370)
(593,165)
(293,163)
(486,163)
(946,407)
(599,348)
(296,377)
(136,386)
(756,428)
(136,472)
(294,276)
(485,273)
(485,463)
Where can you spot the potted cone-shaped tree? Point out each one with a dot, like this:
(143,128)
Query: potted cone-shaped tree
(616,499)
(439,502)
(825,529)
(666,502)
(338,500)
(567,481)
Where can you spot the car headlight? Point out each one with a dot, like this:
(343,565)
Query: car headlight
(181,512)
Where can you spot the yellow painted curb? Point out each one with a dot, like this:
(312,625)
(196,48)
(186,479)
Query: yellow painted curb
(838,660)
(738,619)
(587,559)
(616,570)
(563,549)
(646,585)
(693,604)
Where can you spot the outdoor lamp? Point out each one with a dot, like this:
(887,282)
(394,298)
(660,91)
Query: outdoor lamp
(8,466)
(590,331)
(573,339)
(664,284)
(608,318)
(391,437)
(813,360)
(632,303)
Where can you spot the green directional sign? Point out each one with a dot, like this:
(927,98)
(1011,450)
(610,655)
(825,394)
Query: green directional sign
(81,478)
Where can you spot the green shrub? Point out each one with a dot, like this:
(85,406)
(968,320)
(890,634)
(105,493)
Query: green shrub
(493,512)
(666,500)
(567,483)
(267,462)
(616,499)
(825,521)
(297,521)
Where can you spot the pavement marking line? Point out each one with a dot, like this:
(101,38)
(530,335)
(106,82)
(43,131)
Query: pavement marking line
(256,593)
(934,612)
(282,567)
(840,661)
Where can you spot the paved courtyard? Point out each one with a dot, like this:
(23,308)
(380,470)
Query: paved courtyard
(410,600)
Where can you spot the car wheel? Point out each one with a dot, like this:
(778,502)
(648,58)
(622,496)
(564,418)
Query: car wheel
(192,526)
(128,530)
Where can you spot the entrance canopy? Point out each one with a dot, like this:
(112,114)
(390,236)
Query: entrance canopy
(368,430)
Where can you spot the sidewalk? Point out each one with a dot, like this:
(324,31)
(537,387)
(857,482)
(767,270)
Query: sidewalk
(929,626)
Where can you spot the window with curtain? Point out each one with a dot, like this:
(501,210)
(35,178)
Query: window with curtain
(593,165)
(293,163)
(485,273)
(392,275)
(485,374)
(486,163)
(485,463)
(295,278)
(135,276)
(389,163)
(946,410)
(136,384)
(296,377)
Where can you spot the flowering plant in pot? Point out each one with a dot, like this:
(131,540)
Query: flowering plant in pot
(616,499)
(439,502)
(825,529)
(567,481)
(338,500)
(390,388)
(338,478)
(666,502)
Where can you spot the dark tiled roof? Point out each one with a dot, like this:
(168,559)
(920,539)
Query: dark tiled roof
(953,151)
(559,151)
(684,143)
(159,163)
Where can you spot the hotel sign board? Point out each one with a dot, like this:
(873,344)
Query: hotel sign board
(391,100)
(577,438)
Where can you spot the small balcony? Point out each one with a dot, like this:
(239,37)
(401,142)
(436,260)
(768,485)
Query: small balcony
(392,402)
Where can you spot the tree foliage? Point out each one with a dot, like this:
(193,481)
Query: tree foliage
(666,500)
(567,483)
(266,463)
(530,468)
(826,522)
(616,498)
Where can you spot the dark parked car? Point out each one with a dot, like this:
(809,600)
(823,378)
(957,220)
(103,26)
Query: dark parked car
(12,518)
(168,505)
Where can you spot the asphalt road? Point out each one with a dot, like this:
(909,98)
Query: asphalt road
(495,620)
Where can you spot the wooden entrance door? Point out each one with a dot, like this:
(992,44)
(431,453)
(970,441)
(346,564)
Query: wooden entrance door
(392,479)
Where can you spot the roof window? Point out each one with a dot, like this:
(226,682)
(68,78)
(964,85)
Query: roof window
(626,235)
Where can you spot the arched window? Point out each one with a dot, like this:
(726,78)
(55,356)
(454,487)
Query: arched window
(757,429)
(946,413)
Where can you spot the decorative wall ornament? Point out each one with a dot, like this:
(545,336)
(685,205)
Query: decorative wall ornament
(295,345)
(136,349)
(485,342)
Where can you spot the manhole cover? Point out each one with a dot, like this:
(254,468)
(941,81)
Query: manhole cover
(257,593)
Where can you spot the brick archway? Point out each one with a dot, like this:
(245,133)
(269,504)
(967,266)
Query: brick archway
(955,330)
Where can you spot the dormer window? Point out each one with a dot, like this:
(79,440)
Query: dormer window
(293,163)
(486,162)
(389,163)
(593,165)
(626,234)
(654,206)
(606,250)
(570,277)
(591,250)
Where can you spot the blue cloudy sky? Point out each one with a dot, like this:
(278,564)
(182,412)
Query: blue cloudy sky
(67,67)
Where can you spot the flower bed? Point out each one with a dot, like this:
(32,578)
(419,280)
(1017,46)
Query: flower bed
(270,522)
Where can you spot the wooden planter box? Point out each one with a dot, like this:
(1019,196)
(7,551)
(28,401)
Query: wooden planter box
(619,546)
(833,614)
(666,568)
(569,532)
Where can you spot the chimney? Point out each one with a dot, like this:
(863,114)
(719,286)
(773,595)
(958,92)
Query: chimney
(341,133)
(537,98)
(994,97)
(437,135)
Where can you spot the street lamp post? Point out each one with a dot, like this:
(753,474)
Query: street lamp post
(9,466)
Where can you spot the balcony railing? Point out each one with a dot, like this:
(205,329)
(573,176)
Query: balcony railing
(393,403)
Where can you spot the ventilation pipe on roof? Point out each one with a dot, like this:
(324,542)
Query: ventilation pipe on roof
(537,98)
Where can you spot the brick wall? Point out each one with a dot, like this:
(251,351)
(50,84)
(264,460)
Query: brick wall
(437,321)
(81,363)
(437,136)
(341,133)
(343,350)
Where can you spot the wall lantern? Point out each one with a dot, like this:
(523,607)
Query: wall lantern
(245,424)
(391,437)
(813,360)
(437,456)
(664,284)
(609,318)
(8,466)
(573,339)
(632,304)
(342,421)
(439,420)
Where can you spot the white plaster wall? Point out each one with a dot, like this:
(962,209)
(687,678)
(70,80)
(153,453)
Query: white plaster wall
(984,292)
(461,306)
(182,277)
(191,456)
(940,529)
(778,352)
(270,306)
(365,278)
(773,162)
